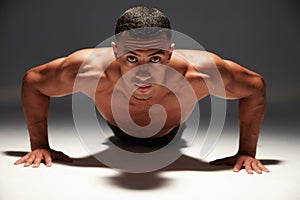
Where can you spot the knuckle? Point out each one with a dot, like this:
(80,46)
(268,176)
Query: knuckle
(48,158)
(28,163)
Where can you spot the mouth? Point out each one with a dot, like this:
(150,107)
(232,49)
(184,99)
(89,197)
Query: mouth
(143,86)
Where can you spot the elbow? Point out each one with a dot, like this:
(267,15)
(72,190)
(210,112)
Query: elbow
(30,79)
(27,78)
(259,93)
(260,85)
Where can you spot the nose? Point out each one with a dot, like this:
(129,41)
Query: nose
(143,68)
(143,73)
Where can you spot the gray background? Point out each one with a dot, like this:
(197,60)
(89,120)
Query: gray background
(260,35)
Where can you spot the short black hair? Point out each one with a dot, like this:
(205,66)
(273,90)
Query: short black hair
(150,20)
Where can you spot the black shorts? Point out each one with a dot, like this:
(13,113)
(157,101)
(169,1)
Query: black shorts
(155,142)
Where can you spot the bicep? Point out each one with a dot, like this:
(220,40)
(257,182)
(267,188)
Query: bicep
(51,79)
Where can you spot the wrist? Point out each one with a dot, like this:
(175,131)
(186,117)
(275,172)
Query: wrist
(247,153)
(45,146)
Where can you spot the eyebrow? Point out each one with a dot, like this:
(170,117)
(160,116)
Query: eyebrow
(156,52)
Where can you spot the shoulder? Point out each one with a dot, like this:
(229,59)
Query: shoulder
(86,57)
(203,61)
(208,67)
(199,59)
(84,61)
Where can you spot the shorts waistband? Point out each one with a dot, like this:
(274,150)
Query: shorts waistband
(161,141)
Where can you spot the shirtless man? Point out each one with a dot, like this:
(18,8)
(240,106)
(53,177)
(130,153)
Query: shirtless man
(57,78)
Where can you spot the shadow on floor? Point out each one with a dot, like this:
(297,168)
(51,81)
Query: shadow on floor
(143,181)
(184,163)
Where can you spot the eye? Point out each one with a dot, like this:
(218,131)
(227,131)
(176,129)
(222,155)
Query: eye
(131,59)
(155,59)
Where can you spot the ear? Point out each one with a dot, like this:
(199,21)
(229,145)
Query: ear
(115,50)
(171,50)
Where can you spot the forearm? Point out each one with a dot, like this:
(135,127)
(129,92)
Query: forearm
(251,114)
(35,107)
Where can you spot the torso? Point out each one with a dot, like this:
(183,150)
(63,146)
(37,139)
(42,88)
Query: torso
(139,109)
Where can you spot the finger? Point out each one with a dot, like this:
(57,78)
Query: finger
(248,167)
(255,167)
(262,167)
(48,160)
(37,160)
(29,160)
(23,159)
(238,165)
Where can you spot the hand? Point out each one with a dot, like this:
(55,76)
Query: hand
(35,157)
(238,161)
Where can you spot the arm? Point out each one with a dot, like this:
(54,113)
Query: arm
(55,78)
(249,87)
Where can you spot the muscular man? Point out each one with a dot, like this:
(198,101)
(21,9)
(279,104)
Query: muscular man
(138,61)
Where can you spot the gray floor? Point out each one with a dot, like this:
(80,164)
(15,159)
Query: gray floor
(188,177)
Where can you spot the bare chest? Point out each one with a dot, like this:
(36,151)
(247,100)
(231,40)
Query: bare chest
(137,111)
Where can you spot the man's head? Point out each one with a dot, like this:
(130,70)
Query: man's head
(142,27)
(143,37)
(143,17)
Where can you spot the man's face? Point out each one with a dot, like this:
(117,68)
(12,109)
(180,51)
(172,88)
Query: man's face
(145,64)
